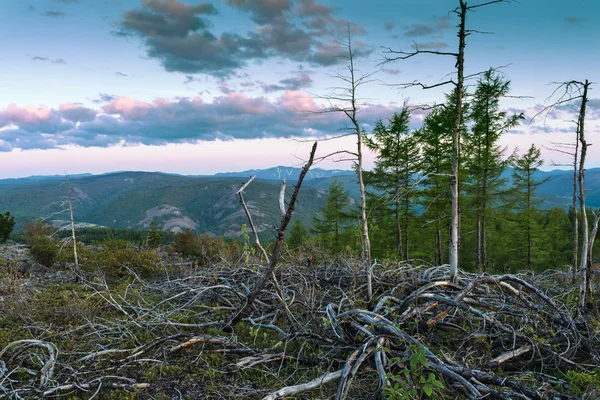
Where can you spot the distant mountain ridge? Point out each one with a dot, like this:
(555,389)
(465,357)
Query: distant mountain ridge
(289,173)
(209,204)
(38,178)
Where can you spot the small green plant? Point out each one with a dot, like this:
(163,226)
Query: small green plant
(248,250)
(584,382)
(10,278)
(414,380)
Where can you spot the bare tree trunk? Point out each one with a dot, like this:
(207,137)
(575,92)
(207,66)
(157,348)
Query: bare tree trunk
(528,220)
(576,216)
(460,66)
(583,289)
(363,215)
(484,204)
(478,247)
(591,249)
(278,243)
(406,208)
(398,225)
(484,242)
(438,240)
(73,237)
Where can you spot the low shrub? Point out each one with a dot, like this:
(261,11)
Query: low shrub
(36,229)
(44,251)
(204,249)
(114,258)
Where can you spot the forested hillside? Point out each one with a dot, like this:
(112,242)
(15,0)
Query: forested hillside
(208,205)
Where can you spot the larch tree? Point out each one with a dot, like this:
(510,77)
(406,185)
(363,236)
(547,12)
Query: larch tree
(485,161)
(334,217)
(461,11)
(525,184)
(396,167)
(435,138)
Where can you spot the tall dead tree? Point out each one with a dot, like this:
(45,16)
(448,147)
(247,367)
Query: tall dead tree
(73,237)
(572,150)
(344,99)
(461,11)
(569,94)
(585,287)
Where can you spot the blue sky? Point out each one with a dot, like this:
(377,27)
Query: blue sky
(201,87)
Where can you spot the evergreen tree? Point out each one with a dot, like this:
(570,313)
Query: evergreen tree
(7,223)
(524,185)
(396,165)
(484,162)
(435,138)
(154,237)
(334,218)
(298,235)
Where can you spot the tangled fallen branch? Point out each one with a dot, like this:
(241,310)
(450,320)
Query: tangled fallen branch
(502,337)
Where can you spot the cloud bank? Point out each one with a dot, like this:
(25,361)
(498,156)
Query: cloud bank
(127,121)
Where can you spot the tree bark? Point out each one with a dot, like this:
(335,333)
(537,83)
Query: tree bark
(406,209)
(398,225)
(438,241)
(460,65)
(484,242)
(73,238)
(478,246)
(363,215)
(576,216)
(528,217)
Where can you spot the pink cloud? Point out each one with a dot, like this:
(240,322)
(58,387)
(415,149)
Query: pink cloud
(237,102)
(127,107)
(297,101)
(26,114)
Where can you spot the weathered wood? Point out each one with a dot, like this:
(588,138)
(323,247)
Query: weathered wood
(240,194)
(509,355)
(314,384)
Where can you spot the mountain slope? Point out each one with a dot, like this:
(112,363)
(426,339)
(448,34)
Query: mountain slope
(134,199)
(210,204)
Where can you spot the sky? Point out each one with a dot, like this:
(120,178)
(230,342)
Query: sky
(196,87)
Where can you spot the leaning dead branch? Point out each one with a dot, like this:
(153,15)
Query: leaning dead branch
(278,243)
(240,194)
